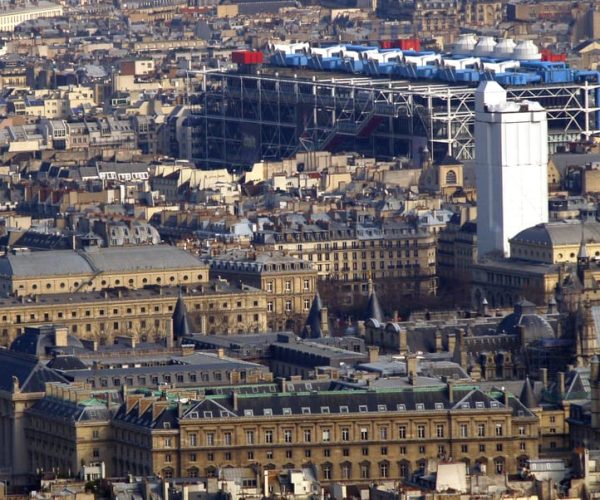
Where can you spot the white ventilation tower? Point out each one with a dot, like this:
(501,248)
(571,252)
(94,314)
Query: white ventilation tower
(527,50)
(505,48)
(511,167)
(485,46)
(465,44)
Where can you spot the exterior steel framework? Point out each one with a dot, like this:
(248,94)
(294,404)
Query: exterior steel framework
(239,119)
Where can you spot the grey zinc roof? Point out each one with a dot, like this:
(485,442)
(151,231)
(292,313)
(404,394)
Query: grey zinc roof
(48,263)
(70,262)
(560,233)
(142,257)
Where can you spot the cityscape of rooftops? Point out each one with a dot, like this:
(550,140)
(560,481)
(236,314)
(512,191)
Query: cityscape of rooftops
(299,249)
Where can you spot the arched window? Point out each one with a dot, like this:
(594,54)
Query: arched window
(346,470)
(384,469)
(404,469)
(365,472)
(326,468)
(451,177)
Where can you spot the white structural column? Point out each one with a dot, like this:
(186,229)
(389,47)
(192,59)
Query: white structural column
(511,158)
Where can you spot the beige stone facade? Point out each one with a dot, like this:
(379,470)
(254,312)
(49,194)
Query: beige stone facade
(376,436)
(348,258)
(363,444)
(289,284)
(69,271)
(143,314)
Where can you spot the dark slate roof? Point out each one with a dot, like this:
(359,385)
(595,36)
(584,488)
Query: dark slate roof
(181,327)
(524,315)
(344,401)
(449,160)
(85,411)
(31,374)
(312,327)
(527,397)
(577,387)
(374,310)
(66,363)
(165,418)
(39,342)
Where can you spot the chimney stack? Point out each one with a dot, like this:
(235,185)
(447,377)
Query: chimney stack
(373,354)
(560,378)
(281,384)
(402,341)
(61,334)
(170,333)
(451,342)
(411,367)
(438,341)
(544,377)
(234,400)
(324,321)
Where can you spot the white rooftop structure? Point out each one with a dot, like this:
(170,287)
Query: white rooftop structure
(511,167)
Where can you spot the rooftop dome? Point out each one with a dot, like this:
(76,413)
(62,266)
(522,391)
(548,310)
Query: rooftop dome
(535,326)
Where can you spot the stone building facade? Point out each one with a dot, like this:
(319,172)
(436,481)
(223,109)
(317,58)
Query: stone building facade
(366,435)
(289,283)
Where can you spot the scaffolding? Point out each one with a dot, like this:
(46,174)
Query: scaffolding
(239,119)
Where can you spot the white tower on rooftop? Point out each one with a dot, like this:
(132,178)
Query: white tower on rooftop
(511,166)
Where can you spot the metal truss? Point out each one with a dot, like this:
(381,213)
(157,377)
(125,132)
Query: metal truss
(239,119)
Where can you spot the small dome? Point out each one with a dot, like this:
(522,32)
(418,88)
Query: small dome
(536,327)
(485,46)
(527,50)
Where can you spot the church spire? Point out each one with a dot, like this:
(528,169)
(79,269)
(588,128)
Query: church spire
(527,396)
(373,310)
(316,322)
(181,326)
(589,335)
(583,258)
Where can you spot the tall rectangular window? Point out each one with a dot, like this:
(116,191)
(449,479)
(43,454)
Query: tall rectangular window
(307,435)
